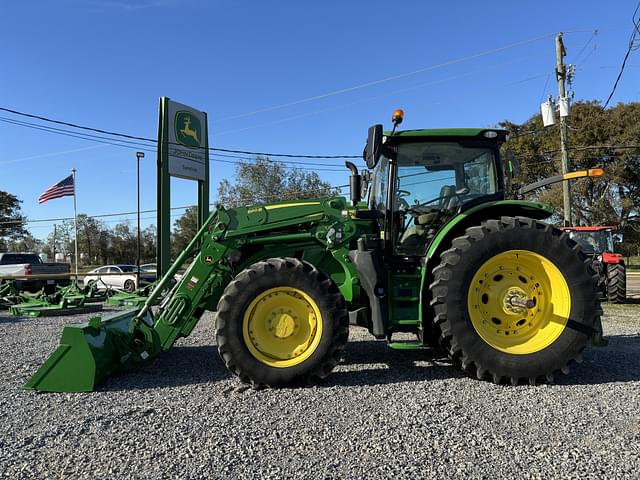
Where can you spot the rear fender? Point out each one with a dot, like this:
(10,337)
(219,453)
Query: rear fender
(612,258)
(473,216)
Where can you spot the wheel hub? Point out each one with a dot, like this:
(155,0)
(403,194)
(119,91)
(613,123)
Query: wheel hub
(282,327)
(519,302)
(516,302)
(282,323)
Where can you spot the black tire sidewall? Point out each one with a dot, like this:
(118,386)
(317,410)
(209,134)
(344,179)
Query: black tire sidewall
(551,244)
(616,280)
(248,285)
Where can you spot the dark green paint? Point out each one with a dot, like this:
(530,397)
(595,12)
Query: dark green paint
(445,132)
(520,207)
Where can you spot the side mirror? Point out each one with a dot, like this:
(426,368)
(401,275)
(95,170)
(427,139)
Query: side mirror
(618,238)
(374,146)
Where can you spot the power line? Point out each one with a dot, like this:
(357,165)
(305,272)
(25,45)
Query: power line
(50,154)
(633,45)
(387,79)
(375,97)
(146,148)
(544,89)
(593,35)
(144,139)
(121,214)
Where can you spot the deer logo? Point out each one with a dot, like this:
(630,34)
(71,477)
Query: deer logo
(188,129)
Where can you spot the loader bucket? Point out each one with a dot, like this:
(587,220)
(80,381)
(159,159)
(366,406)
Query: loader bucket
(90,352)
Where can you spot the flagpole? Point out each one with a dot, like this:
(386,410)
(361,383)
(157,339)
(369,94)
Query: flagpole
(75,219)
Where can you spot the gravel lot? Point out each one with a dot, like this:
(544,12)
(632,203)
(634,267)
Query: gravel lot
(381,414)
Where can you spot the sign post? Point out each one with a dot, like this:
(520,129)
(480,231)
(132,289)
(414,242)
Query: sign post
(183,151)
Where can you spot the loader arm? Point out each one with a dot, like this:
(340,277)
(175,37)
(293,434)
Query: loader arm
(205,277)
(90,352)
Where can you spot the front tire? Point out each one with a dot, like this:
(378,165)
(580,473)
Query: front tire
(616,283)
(280,322)
(515,299)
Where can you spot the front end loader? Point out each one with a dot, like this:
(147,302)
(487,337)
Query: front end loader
(435,250)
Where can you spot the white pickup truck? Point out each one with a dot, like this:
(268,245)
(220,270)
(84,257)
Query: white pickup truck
(30,264)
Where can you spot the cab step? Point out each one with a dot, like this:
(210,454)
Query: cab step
(407,345)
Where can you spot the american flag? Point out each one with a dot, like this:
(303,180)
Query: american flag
(63,188)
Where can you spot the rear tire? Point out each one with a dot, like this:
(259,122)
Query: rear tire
(616,283)
(281,322)
(521,260)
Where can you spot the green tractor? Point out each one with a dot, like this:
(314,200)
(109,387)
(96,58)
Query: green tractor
(436,251)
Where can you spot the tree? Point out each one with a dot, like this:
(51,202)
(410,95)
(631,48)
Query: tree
(148,244)
(266,181)
(596,138)
(25,243)
(613,199)
(93,238)
(61,242)
(11,220)
(123,244)
(185,229)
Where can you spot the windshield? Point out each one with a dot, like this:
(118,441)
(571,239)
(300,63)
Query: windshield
(595,241)
(443,175)
(17,258)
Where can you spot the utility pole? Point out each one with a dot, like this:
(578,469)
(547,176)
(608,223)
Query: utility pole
(139,155)
(561,76)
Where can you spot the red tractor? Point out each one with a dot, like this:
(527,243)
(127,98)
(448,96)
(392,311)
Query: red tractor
(597,242)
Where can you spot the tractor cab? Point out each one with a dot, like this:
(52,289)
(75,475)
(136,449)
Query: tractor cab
(593,240)
(421,179)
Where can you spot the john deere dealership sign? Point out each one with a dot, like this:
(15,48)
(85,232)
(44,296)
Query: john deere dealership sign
(182,152)
(187,142)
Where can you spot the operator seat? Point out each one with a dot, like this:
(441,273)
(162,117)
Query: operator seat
(415,238)
(448,197)
(447,200)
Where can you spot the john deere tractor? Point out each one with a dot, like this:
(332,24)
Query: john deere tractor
(435,251)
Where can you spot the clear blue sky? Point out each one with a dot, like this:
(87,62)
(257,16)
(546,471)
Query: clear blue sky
(105,64)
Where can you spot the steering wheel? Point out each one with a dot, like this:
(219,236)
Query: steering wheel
(403,204)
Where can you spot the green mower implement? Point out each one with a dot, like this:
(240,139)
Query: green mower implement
(65,300)
(435,250)
(8,294)
(133,299)
(93,294)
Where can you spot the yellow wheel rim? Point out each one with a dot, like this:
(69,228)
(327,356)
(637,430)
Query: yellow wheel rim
(519,302)
(282,327)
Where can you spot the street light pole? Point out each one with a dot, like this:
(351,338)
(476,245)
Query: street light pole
(139,155)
